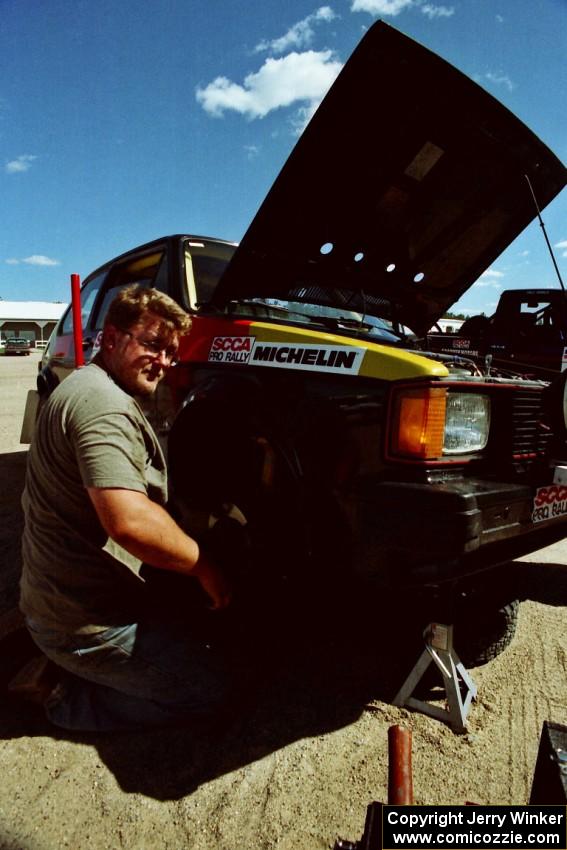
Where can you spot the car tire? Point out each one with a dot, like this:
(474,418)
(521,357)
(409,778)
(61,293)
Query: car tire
(481,633)
(484,623)
(214,469)
(484,633)
(245,452)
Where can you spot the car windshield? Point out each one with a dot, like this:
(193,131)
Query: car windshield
(334,308)
(334,319)
(331,308)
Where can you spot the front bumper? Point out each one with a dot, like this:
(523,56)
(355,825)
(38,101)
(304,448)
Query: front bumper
(438,530)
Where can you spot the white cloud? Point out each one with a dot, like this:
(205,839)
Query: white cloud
(325,13)
(381,7)
(33,260)
(437,11)
(562,247)
(40,260)
(300,34)
(21,163)
(394,7)
(492,273)
(500,80)
(499,19)
(279,82)
(490,278)
(303,116)
(252,151)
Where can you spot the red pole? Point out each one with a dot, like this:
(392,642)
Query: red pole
(77,326)
(400,780)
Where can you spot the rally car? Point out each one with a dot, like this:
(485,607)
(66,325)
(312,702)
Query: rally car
(302,412)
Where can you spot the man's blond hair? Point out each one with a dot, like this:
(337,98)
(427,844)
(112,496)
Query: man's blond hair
(135,301)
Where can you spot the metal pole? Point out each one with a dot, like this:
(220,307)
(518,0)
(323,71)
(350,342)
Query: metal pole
(547,242)
(400,781)
(77,326)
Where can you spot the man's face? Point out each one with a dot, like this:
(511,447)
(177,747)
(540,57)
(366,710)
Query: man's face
(138,357)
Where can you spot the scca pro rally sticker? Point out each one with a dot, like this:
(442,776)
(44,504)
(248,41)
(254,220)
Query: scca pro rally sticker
(550,502)
(309,356)
(231,349)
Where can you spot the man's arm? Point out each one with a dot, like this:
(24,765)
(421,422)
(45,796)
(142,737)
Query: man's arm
(147,531)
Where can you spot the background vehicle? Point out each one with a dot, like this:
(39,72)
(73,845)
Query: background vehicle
(305,431)
(17,345)
(527,333)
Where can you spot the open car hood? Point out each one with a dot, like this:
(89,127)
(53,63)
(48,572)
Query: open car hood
(412,177)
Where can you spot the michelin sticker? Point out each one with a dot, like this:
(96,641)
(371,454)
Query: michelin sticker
(308,356)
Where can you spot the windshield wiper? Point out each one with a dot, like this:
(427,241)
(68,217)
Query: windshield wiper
(272,309)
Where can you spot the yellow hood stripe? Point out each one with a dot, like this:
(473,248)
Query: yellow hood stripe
(380,361)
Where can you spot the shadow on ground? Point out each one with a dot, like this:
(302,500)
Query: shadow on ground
(317,661)
(302,683)
(316,676)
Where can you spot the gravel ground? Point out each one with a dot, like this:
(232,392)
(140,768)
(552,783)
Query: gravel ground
(299,769)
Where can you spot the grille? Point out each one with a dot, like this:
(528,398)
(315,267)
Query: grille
(531,433)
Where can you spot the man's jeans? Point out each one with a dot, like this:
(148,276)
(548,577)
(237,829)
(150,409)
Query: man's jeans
(132,676)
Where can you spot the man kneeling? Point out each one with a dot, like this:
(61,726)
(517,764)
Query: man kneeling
(94,500)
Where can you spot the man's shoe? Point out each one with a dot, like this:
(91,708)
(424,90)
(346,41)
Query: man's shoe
(35,681)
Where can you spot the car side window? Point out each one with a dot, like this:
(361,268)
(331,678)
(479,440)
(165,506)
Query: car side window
(88,298)
(149,270)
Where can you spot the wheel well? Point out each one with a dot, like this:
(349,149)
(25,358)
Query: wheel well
(213,448)
(227,428)
(277,460)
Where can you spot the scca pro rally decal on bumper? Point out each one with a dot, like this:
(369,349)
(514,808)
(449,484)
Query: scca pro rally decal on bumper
(309,356)
(549,502)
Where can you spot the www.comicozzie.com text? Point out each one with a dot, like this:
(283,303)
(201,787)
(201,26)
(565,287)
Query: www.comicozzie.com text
(478,827)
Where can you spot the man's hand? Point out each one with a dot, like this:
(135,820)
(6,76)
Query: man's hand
(213,583)
(148,532)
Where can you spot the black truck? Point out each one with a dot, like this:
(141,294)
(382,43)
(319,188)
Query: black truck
(527,334)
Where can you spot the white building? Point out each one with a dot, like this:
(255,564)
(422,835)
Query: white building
(448,326)
(33,320)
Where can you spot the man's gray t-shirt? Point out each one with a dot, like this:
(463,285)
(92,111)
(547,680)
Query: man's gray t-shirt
(90,433)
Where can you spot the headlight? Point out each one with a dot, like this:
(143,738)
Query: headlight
(467,423)
(429,423)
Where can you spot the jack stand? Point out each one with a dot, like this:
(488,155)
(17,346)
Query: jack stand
(439,648)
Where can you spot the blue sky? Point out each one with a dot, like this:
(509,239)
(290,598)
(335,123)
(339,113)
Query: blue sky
(125,120)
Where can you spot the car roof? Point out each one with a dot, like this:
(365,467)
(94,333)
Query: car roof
(155,243)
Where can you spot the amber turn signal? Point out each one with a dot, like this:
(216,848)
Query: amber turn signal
(418,424)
